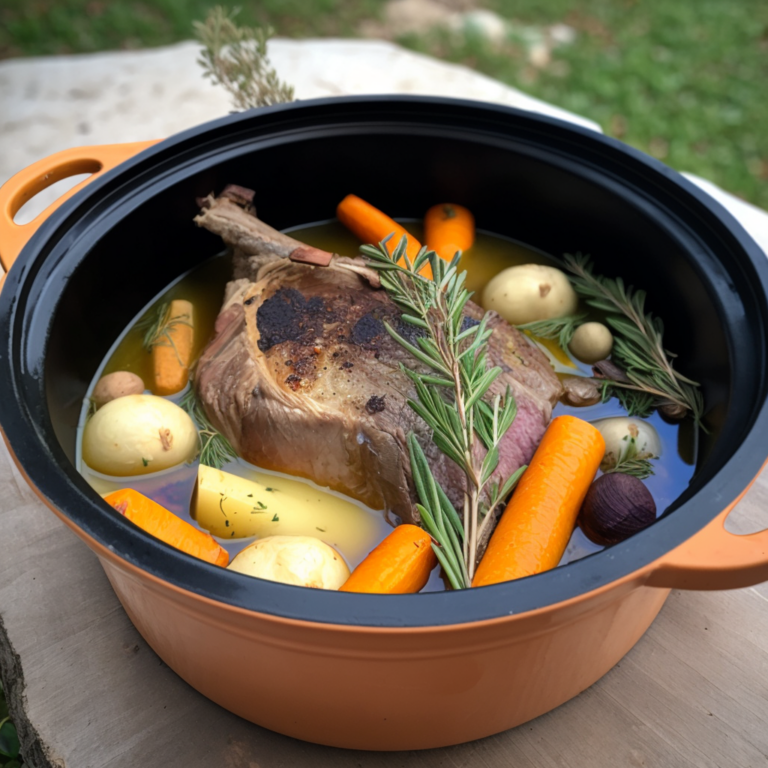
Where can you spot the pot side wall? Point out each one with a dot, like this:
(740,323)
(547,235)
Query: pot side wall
(374,689)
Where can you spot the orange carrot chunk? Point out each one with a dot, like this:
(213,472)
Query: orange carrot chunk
(164,525)
(372,226)
(172,349)
(538,522)
(449,228)
(399,565)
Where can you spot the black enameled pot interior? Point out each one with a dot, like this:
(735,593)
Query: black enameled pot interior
(557,187)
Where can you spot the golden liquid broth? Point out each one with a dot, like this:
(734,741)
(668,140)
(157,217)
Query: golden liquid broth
(347,525)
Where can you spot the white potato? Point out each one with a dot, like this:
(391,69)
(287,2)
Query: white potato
(138,434)
(300,560)
(233,507)
(591,342)
(530,292)
(623,434)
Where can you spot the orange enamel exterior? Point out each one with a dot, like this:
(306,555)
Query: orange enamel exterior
(40,175)
(400,565)
(538,522)
(393,689)
(434,686)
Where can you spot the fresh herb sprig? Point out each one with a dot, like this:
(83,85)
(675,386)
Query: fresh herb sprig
(450,400)
(560,328)
(157,327)
(638,345)
(215,449)
(236,57)
(627,462)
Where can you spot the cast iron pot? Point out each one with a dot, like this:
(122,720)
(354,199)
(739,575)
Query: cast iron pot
(370,671)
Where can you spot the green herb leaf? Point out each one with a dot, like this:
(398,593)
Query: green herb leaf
(638,345)
(236,57)
(215,449)
(9,739)
(451,401)
(560,328)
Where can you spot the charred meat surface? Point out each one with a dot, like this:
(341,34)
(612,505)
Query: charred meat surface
(302,376)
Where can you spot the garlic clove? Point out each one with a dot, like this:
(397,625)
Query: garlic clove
(616,507)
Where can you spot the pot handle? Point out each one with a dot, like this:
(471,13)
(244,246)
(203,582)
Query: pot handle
(714,558)
(40,175)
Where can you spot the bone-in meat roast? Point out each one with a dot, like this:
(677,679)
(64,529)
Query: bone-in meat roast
(303,378)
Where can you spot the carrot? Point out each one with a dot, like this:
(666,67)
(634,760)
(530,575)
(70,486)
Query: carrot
(164,525)
(172,349)
(372,226)
(539,519)
(449,228)
(400,564)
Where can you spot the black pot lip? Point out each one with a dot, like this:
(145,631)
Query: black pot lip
(28,431)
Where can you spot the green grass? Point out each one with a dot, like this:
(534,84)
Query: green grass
(44,27)
(9,740)
(683,81)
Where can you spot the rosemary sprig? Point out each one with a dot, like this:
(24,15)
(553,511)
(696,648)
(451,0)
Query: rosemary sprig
(633,401)
(236,57)
(450,399)
(627,463)
(215,449)
(638,343)
(157,327)
(560,328)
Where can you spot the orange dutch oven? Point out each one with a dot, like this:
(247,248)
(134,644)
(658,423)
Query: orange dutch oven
(401,671)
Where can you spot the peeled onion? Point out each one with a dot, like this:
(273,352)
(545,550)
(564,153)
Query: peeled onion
(138,434)
(619,431)
(300,560)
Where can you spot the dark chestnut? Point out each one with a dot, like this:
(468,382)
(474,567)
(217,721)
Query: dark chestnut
(616,507)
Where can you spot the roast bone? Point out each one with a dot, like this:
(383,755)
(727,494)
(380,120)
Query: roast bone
(303,378)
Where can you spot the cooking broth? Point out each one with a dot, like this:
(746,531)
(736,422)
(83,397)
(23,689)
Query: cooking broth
(347,525)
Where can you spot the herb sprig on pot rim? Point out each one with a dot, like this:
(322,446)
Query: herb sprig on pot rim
(450,400)
(236,58)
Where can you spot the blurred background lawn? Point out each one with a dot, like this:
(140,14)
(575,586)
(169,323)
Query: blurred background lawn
(685,80)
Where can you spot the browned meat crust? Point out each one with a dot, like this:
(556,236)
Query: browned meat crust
(303,378)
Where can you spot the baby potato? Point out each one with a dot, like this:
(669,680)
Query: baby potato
(591,342)
(530,292)
(300,560)
(116,384)
(138,434)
